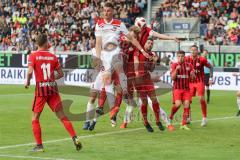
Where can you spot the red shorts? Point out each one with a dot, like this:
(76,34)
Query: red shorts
(197,87)
(182,95)
(54,102)
(144,85)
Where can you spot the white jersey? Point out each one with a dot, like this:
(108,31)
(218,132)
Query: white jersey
(110,32)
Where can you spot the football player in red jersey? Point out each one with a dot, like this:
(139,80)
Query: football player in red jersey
(197,85)
(181,73)
(144,85)
(44,64)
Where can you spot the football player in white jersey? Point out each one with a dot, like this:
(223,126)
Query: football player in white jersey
(107,34)
(95,88)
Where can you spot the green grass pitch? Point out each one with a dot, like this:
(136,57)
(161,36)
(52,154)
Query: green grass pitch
(220,140)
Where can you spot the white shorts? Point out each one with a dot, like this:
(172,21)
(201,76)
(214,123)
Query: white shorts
(97,85)
(111,58)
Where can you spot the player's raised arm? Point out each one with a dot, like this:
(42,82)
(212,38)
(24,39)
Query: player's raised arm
(137,44)
(162,36)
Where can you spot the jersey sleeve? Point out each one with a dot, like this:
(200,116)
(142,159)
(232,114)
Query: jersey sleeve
(98,31)
(31,60)
(123,29)
(205,62)
(173,67)
(57,66)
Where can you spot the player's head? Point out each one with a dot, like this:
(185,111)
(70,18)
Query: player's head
(149,44)
(108,11)
(205,53)
(140,22)
(194,50)
(180,56)
(42,41)
(134,31)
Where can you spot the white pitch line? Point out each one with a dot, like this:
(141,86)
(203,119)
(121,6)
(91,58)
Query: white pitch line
(31,157)
(103,134)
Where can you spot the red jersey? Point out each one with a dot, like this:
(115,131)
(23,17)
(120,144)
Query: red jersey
(144,62)
(182,80)
(127,50)
(144,34)
(44,64)
(198,65)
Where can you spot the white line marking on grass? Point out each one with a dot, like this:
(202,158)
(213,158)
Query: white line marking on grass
(31,157)
(104,134)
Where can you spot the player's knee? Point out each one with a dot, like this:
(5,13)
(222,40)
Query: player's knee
(35,116)
(107,78)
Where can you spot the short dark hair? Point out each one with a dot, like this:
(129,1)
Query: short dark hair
(41,39)
(195,46)
(150,39)
(109,4)
(181,52)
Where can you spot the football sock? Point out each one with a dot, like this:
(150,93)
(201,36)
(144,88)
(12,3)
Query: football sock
(204,108)
(208,95)
(173,111)
(68,126)
(128,113)
(144,113)
(185,116)
(163,116)
(89,114)
(156,111)
(118,100)
(37,131)
(102,97)
(123,80)
(238,102)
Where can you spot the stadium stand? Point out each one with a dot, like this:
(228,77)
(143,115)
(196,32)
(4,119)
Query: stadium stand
(219,18)
(69,24)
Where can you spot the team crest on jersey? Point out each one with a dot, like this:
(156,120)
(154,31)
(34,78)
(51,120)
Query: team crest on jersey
(114,28)
(197,64)
(187,68)
(130,49)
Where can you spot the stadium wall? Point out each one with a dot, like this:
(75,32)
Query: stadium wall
(78,71)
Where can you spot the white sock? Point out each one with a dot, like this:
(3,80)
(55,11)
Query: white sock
(238,102)
(89,114)
(164,116)
(128,114)
(111,100)
(123,81)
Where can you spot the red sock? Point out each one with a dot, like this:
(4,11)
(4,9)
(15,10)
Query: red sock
(185,116)
(174,110)
(204,108)
(118,100)
(37,131)
(156,110)
(144,113)
(102,97)
(68,126)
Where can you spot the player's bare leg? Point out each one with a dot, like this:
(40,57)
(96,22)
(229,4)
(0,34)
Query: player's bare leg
(36,128)
(238,103)
(68,126)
